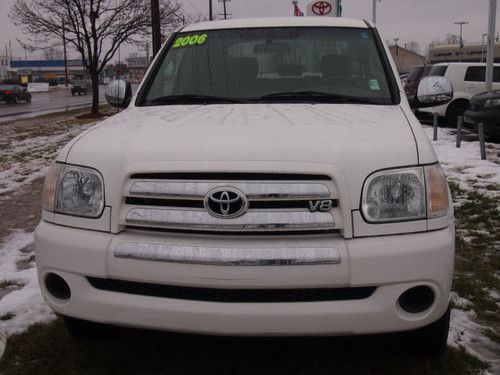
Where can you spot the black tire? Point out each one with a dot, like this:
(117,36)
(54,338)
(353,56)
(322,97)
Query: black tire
(72,93)
(83,329)
(455,109)
(431,340)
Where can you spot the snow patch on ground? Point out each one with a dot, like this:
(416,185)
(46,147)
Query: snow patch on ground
(464,165)
(25,155)
(466,332)
(25,303)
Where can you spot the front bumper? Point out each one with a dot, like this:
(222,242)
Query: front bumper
(391,263)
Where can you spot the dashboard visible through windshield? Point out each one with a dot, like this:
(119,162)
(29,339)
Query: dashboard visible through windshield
(265,65)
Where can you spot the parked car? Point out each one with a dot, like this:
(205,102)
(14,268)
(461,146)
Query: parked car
(81,87)
(415,75)
(14,94)
(468,79)
(268,179)
(485,108)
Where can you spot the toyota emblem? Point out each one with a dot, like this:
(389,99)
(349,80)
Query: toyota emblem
(321,8)
(226,202)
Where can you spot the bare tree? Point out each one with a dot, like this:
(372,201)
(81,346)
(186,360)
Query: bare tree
(95,28)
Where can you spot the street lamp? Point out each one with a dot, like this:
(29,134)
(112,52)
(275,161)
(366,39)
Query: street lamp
(374,10)
(461,23)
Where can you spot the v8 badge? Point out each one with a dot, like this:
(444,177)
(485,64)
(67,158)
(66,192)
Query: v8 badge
(321,206)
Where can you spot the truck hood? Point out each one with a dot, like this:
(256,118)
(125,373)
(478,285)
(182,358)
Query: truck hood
(356,139)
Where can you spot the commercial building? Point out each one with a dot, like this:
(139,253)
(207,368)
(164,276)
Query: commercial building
(49,70)
(406,59)
(137,66)
(475,52)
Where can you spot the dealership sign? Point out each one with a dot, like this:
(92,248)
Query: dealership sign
(38,87)
(322,8)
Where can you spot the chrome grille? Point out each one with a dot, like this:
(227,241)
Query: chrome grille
(276,203)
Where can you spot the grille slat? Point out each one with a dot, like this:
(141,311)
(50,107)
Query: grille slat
(275,202)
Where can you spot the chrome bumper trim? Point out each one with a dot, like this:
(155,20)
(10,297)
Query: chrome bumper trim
(253,190)
(250,221)
(222,256)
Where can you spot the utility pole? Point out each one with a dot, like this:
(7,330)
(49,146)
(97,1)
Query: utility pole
(490,54)
(461,23)
(156,25)
(65,57)
(210,10)
(396,40)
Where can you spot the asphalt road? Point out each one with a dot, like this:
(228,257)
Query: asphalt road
(59,99)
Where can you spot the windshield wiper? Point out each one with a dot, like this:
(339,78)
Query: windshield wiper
(192,99)
(317,96)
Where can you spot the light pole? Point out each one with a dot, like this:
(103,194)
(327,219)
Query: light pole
(210,11)
(482,46)
(396,40)
(461,23)
(374,11)
(490,54)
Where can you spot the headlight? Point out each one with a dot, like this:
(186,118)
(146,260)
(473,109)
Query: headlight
(492,103)
(401,195)
(73,190)
(395,195)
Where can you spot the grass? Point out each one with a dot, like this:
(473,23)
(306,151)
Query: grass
(7,283)
(477,258)
(48,349)
(7,316)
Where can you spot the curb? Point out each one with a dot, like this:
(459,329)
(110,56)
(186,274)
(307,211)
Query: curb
(3,342)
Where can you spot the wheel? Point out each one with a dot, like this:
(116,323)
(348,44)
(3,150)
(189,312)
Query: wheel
(83,329)
(430,340)
(14,100)
(454,110)
(28,99)
(72,93)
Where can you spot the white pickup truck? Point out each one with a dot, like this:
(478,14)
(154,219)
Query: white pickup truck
(268,178)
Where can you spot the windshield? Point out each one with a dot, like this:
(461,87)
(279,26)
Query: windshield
(313,64)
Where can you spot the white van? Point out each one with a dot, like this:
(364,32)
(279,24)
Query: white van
(269,178)
(468,79)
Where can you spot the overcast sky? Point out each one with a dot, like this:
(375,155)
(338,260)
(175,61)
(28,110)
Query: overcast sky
(420,20)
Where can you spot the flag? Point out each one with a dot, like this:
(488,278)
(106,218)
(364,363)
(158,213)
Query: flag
(296,10)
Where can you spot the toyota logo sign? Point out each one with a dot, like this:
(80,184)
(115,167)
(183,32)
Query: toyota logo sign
(322,8)
(226,203)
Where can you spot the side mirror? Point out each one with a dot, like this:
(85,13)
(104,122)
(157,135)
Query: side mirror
(119,93)
(431,92)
